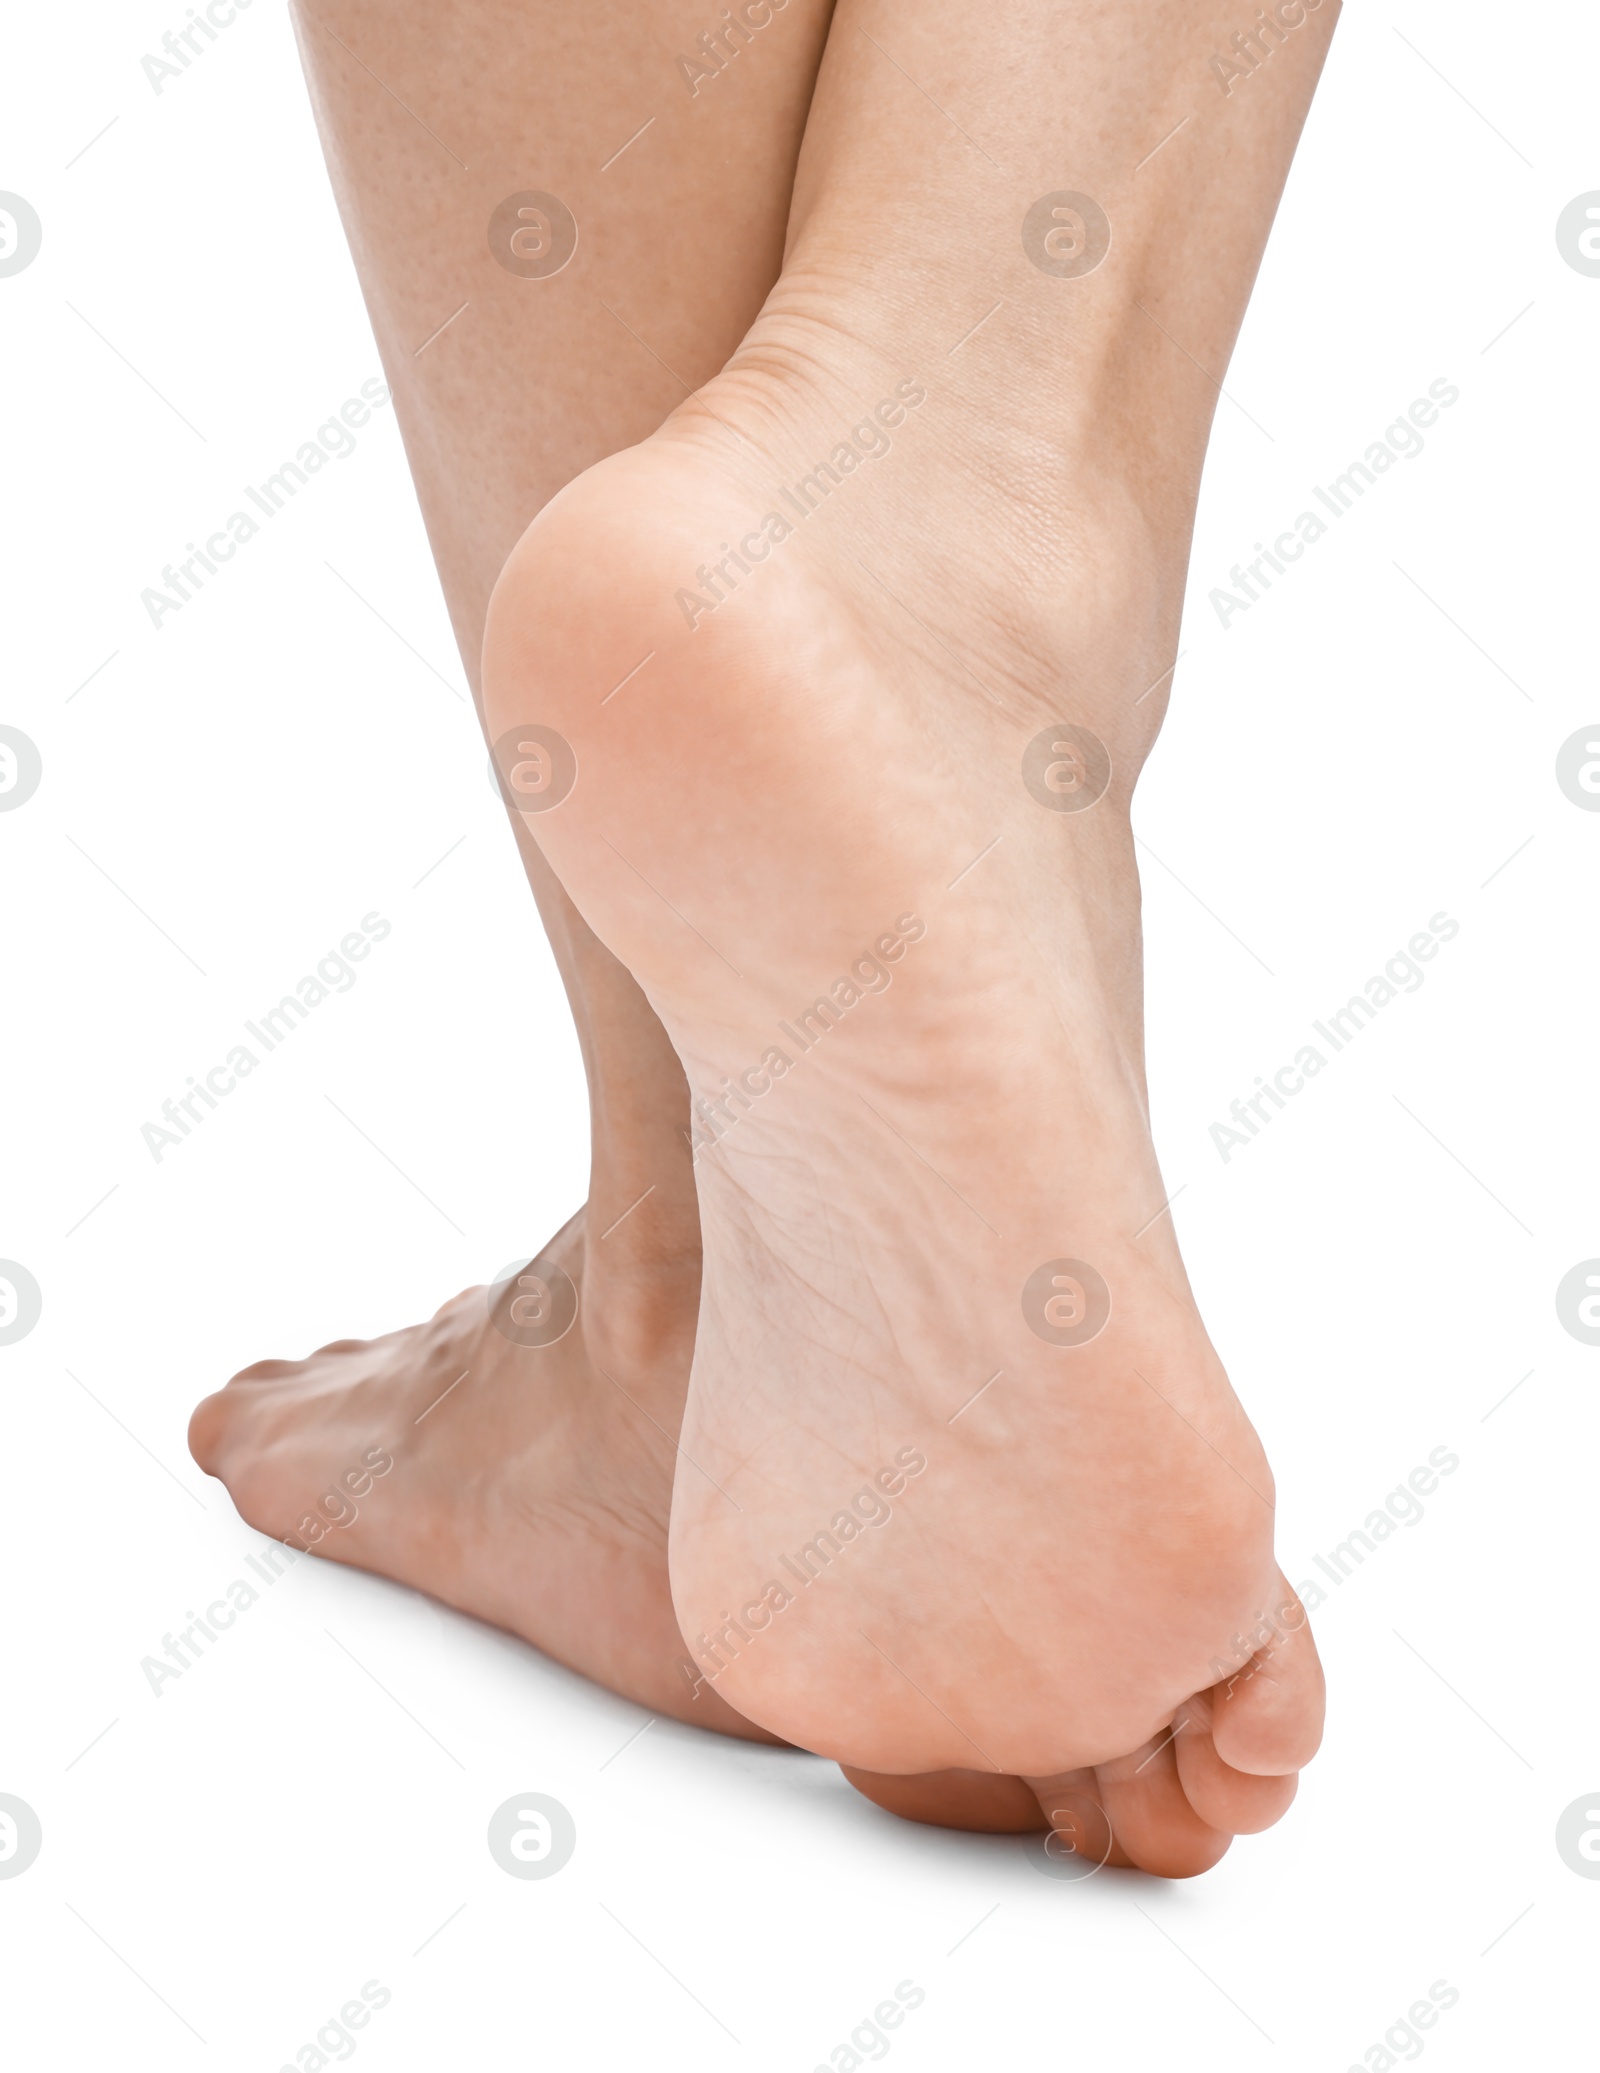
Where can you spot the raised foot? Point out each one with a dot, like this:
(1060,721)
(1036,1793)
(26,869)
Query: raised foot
(978,1496)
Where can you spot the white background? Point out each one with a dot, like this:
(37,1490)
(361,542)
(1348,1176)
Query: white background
(1362,749)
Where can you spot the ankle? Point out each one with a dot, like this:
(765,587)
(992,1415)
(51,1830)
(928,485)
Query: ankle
(641,1284)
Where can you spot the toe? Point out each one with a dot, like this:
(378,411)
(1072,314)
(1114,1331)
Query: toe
(217,1420)
(1073,1805)
(1151,1817)
(979,1800)
(1238,1802)
(267,1371)
(1268,1718)
(209,1424)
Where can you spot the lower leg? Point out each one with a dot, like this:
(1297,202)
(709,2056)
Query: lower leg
(536,1493)
(534,378)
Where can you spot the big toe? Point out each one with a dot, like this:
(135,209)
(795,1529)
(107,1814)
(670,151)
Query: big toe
(1268,1718)
(232,1421)
(212,1425)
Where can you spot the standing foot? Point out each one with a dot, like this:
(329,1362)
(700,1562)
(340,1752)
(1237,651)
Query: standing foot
(527,1485)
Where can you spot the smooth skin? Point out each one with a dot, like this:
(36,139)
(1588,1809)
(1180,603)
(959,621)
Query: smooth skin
(1038,1633)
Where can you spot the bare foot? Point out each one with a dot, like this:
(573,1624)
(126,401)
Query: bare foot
(526,1484)
(983,1499)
